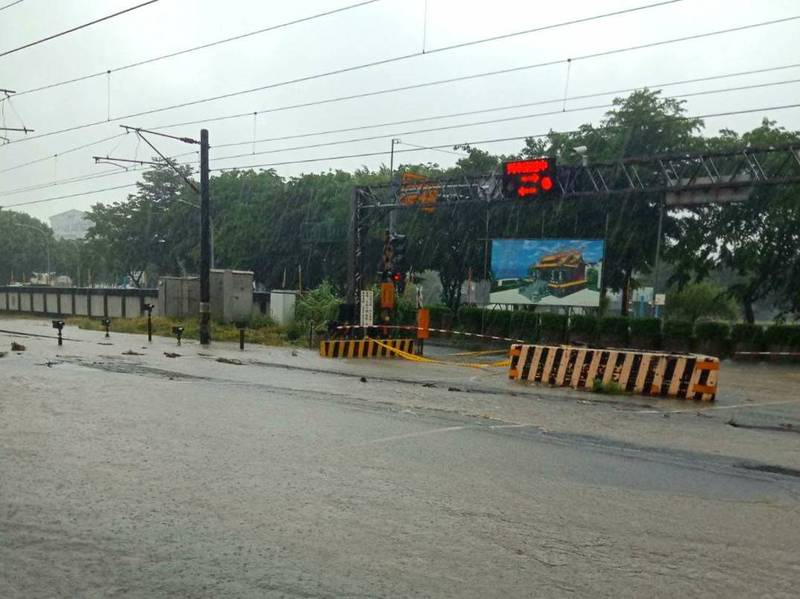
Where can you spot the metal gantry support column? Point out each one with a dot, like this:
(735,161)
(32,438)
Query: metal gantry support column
(205,243)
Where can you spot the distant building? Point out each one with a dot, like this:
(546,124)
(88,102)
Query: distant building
(71,224)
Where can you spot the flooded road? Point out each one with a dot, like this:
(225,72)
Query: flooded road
(275,473)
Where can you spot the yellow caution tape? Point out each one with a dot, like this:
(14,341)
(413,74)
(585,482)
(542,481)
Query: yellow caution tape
(413,358)
(486,352)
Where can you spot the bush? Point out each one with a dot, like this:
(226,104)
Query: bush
(782,335)
(260,321)
(552,326)
(470,319)
(523,324)
(645,327)
(744,332)
(583,325)
(318,305)
(678,329)
(613,327)
(441,316)
(498,322)
(712,331)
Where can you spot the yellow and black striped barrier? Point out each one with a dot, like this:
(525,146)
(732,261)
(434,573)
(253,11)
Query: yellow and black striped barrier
(364,348)
(647,373)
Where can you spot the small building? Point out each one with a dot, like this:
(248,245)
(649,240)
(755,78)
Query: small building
(71,224)
(564,272)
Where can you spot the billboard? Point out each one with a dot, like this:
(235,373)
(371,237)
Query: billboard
(547,272)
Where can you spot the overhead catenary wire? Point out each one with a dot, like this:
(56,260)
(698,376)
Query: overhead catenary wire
(529,104)
(413,120)
(10,4)
(485,141)
(195,48)
(383,152)
(76,28)
(413,86)
(494,121)
(4,193)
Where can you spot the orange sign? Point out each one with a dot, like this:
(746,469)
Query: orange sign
(423,323)
(417,189)
(387,295)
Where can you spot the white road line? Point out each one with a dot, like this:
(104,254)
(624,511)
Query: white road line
(698,409)
(409,436)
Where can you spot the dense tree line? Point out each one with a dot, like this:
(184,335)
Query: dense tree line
(287,228)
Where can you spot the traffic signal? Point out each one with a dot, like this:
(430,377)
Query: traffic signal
(526,179)
(399,266)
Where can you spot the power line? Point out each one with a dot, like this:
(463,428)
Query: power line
(395,134)
(10,4)
(494,121)
(379,92)
(522,105)
(407,121)
(195,48)
(496,140)
(73,29)
(384,152)
(67,151)
(72,195)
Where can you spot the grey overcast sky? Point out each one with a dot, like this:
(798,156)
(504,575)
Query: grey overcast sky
(380,30)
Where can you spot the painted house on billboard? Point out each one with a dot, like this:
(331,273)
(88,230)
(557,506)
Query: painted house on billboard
(564,272)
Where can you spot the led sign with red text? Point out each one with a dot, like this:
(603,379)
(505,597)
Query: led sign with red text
(529,178)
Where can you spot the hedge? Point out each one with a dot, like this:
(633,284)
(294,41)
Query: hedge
(523,324)
(583,325)
(553,326)
(440,316)
(712,331)
(678,329)
(744,332)
(470,318)
(782,335)
(645,328)
(615,327)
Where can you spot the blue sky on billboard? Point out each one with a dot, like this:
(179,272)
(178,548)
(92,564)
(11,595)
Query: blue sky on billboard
(511,258)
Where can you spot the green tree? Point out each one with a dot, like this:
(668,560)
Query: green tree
(758,240)
(24,244)
(642,124)
(155,231)
(700,300)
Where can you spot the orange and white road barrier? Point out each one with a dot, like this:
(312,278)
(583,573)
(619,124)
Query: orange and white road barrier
(687,376)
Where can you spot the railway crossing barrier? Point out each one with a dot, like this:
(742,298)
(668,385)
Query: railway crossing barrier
(364,348)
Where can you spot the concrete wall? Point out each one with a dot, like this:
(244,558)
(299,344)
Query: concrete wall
(231,292)
(58,301)
(175,297)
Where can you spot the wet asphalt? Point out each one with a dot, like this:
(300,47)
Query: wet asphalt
(274,473)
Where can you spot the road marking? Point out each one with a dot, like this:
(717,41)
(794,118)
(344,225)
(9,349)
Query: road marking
(747,405)
(409,435)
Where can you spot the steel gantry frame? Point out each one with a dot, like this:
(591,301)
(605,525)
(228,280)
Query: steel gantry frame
(685,179)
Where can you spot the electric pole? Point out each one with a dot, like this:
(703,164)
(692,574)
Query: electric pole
(392,215)
(205,242)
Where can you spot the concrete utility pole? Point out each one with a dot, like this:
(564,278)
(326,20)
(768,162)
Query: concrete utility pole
(205,243)
(392,215)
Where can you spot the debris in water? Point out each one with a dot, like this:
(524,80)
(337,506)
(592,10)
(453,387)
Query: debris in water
(363,379)
(170,354)
(130,352)
(17,346)
(230,361)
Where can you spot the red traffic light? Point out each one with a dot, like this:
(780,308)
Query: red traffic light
(397,277)
(523,178)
